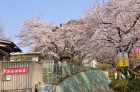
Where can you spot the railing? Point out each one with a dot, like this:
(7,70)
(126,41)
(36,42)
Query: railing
(56,73)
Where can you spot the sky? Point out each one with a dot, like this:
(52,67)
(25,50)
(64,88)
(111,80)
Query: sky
(14,12)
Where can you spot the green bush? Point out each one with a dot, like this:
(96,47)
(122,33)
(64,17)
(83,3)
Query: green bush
(104,67)
(134,85)
(123,85)
(119,85)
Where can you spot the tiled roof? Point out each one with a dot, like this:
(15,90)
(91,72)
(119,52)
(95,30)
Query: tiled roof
(8,47)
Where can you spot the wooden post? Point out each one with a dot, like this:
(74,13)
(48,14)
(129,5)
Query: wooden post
(94,88)
(33,74)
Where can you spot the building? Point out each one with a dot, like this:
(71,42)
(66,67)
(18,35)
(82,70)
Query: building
(17,76)
(34,56)
(7,47)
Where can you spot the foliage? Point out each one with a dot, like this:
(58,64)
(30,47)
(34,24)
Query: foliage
(134,85)
(119,85)
(104,67)
(123,85)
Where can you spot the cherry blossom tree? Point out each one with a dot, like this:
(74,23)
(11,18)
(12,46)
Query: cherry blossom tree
(37,35)
(47,38)
(112,28)
(104,31)
(73,35)
(115,24)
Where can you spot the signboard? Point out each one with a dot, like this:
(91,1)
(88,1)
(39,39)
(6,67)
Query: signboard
(6,77)
(122,59)
(123,63)
(10,71)
(136,52)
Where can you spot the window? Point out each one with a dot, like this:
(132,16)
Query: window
(29,58)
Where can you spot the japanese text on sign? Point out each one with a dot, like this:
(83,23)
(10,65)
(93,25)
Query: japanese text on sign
(15,71)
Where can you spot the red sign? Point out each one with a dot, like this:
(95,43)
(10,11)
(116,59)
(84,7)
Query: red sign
(15,71)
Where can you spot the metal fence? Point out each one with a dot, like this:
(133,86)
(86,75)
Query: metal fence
(56,73)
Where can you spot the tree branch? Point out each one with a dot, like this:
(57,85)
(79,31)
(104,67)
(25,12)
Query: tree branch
(134,72)
(137,18)
(119,32)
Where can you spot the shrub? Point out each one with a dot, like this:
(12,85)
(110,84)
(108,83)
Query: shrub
(123,85)
(104,67)
(120,85)
(134,85)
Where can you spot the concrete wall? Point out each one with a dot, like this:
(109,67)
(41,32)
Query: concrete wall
(89,81)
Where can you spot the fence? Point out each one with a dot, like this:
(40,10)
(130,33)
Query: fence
(55,73)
